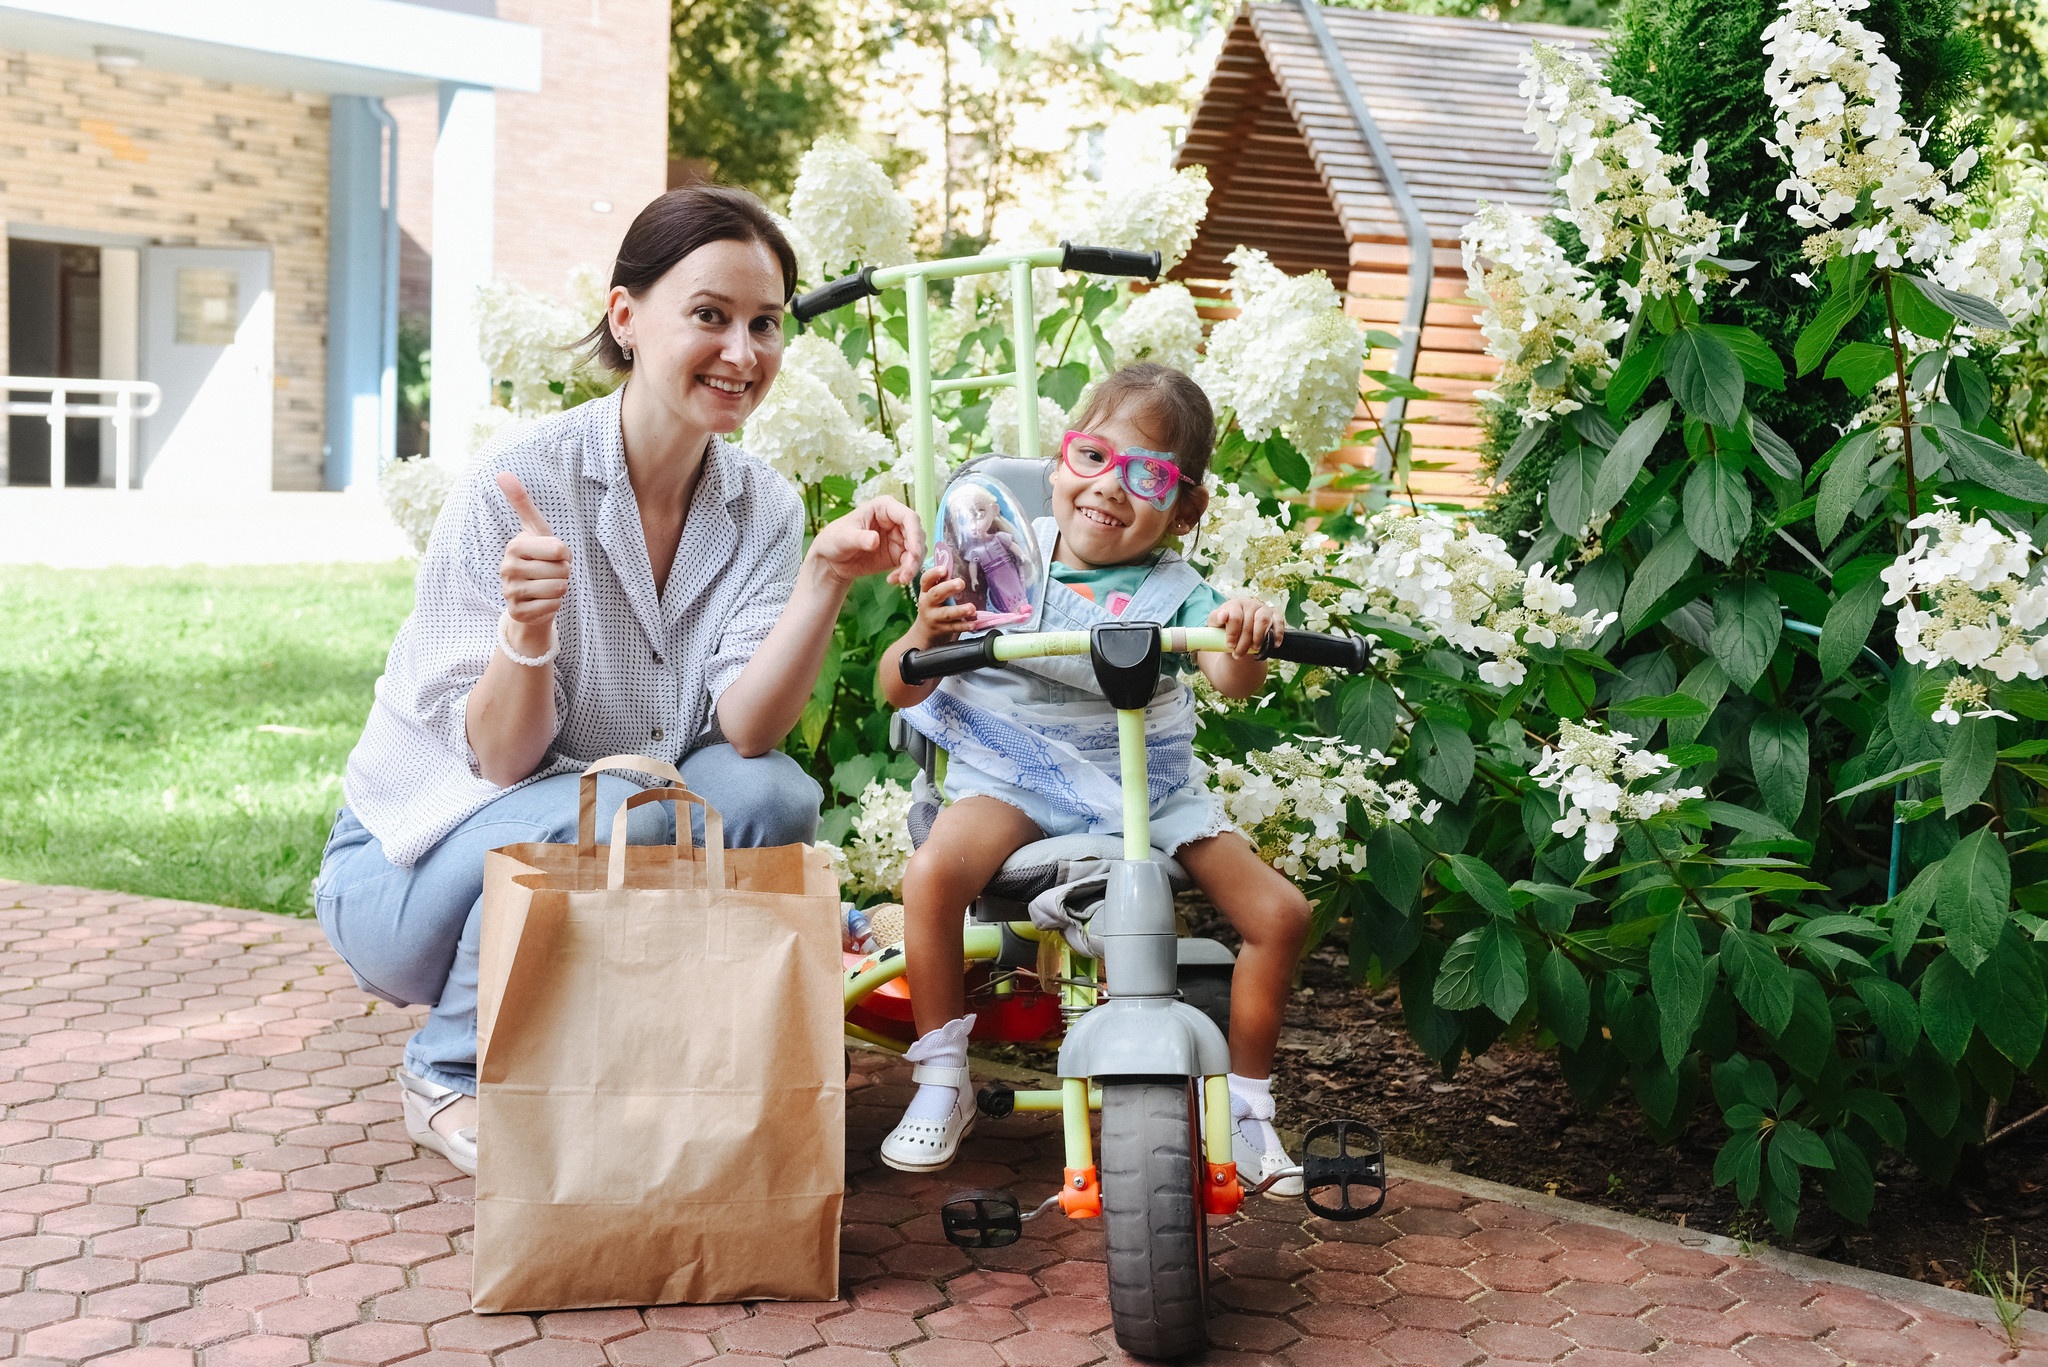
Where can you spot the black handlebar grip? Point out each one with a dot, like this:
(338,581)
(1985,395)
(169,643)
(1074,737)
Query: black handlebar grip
(1109,261)
(922,666)
(1316,648)
(835,294)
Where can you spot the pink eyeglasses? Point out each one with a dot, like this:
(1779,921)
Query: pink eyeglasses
(1150,475)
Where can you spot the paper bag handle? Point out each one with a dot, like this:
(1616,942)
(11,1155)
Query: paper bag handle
(714,833)
(586,807)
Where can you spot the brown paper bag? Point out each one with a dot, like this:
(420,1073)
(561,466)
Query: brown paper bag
(660,1069)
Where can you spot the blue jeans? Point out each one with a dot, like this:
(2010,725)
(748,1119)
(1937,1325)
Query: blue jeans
(411,935)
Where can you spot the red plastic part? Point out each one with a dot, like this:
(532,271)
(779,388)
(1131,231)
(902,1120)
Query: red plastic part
(1020,1018)
(1081,1194)
(1222,1194)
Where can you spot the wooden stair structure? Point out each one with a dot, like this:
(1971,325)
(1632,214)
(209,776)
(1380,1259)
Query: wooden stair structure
(1291,173)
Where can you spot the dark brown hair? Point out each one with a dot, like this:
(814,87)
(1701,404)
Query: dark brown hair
(671,227)
(1166,398)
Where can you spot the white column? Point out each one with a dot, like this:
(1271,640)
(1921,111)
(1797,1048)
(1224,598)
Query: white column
(465,177)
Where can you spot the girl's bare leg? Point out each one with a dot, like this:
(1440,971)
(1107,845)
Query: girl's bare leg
(1271,916)
(969,841)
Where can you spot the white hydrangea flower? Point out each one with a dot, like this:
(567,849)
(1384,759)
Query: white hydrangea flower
(1243,552)
(821,358)
(845,211)
(1158,213)
(878,847)
(2001,262)
(1002,425)
(413,492)
(1590,770)
(525,339)
(1159,325)
(1292,803)
(1617,176)
(1537,307)
(1839,130)
(807,434)
(1289,361)
(1967,595)
(1464,587)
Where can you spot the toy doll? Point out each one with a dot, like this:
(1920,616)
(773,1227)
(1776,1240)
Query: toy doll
(989,554)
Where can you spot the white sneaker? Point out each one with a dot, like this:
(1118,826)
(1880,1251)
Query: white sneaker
(929,1145)
(423,1100)
(1255,1164)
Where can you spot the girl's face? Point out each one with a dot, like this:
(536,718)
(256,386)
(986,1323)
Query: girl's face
(1100,523)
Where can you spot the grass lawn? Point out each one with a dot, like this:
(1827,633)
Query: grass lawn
(182,732)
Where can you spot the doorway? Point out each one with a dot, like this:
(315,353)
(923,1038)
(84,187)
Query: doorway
(208,329)
(53,322)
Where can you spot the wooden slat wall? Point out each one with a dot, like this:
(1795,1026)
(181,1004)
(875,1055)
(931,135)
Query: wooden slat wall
(1290,174)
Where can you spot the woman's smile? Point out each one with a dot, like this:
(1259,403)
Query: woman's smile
(725,386)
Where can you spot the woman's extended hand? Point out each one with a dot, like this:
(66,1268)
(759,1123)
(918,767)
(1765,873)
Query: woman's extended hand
(534,574)
(880,535)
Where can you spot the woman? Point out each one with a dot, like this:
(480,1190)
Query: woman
(617,578)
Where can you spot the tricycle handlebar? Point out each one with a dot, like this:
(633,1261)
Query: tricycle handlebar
(985,652)
(835,294)
(869,281)
(1108,261)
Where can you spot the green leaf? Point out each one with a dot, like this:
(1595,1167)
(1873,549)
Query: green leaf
(1847,628)
(1809,1041)
(1778,757)
(1969,390)
(1063,384)
(1395,862)
(1801,1145)
(1993,466)
(1634,375)
(1708,682)
(1570,498)
(1760,365)
(1945,1011)
(1666,564)
(1860,365)
(1911,909)
(852,776)
(1289,466)
(1851,1186)
(1668,705)
(1740,1162)
(1524,444)
(1678,980)
(1396,384)
(1562,1001)
(1816,337)
(1367,712)
(1487,888)
(1966,770)
(1930,1087)
(1747,625)
(1717,507)
(1891,1010)
(1445,756)
(1704,375)
(1974,898)
(1978,313)
(1743,819)
(1692,756)
(1775,450)
(1889,777)
(1762,982)
(1843,484)
(1485,967)
(2008,999)
(1626,458)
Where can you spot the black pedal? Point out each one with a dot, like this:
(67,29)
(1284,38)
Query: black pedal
(1338,1158)
(995,1101)
(981,1219)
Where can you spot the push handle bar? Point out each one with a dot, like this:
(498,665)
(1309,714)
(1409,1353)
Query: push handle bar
(835,294)
(994,649)
(1108,261)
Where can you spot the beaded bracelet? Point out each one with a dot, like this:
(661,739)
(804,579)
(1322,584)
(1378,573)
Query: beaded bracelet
(530,661)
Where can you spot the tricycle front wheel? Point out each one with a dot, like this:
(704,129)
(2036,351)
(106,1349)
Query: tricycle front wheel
(1152,1215)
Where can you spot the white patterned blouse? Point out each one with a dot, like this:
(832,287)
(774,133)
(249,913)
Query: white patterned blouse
(637,673)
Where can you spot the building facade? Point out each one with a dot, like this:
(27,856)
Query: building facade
(220,198)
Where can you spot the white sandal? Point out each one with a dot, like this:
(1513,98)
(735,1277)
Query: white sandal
(423,1100)
(929,1145)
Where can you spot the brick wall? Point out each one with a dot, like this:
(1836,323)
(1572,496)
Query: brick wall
(595,133)
(184,162)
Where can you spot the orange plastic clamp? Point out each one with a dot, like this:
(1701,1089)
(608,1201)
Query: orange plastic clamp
(1081,1194)
(1221,1194)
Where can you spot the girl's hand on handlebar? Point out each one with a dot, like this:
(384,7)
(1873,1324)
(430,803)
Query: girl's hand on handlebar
(1247,623)
(937,620)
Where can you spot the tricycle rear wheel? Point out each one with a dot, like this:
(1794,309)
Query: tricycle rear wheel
(1152,1216)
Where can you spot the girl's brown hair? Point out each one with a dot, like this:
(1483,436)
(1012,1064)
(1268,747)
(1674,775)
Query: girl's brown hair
(671,227)
(1167,399)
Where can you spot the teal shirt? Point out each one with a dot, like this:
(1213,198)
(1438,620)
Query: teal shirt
(1100,584)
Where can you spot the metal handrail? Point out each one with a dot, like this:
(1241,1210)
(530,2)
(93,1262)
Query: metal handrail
(122,409)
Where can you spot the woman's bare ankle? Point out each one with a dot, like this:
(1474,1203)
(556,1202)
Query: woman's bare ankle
(456,1115)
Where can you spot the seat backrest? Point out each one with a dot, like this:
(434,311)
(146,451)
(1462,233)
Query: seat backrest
(1029,480)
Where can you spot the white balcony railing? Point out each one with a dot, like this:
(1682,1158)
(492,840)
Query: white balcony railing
(124,401)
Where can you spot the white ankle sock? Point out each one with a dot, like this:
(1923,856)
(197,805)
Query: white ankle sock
(1251,1106)
(945,1047)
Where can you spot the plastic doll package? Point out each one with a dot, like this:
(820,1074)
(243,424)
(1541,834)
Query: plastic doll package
(985,541)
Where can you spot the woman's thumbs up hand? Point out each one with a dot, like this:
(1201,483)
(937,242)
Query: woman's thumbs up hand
(535,572)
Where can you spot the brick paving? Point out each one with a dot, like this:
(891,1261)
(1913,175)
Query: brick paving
(202,1162)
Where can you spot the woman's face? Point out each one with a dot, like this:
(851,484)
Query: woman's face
(706,336)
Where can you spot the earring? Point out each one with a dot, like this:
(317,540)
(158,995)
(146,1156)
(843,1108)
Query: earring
(627,351)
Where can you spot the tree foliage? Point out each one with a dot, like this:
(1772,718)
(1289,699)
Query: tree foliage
(752,83)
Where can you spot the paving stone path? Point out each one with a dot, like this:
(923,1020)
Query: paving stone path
(202,1161)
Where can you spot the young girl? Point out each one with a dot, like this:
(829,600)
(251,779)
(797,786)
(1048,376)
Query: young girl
(1032,750)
